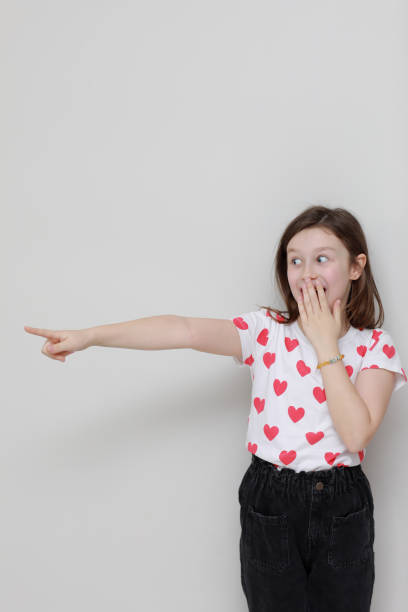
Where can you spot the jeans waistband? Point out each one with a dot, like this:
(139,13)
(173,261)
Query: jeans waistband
(347,474)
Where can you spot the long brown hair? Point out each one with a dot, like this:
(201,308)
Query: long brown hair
(360,308)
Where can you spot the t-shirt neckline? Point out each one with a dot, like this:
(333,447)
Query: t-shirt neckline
(344,339)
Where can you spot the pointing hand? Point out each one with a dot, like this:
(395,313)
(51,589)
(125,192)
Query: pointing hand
(60,344)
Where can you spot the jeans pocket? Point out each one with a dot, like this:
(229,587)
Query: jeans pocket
(350,542)
(265,539)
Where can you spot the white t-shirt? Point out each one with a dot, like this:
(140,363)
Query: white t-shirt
(289,422)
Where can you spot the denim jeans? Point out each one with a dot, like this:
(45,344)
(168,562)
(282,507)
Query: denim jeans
(307,539)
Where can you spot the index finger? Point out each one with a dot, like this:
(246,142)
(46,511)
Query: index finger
(47,333)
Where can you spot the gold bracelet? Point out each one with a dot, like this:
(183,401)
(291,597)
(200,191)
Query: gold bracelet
(334,360)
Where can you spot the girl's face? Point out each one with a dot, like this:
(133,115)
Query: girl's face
(317,253)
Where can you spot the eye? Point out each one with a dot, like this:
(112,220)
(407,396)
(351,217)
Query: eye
(292,260)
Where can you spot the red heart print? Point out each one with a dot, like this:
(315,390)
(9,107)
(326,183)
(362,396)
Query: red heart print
(313,437)
(249,360)
(269,359)
(320,394)
(330,457)
(291,344)
(296,413)
(287,456)
(271,432)
(349,369)
(279,387)
(259,404)
(389,350)
(361,350)
(263,337)
(302,368)
(240,323)
(252,447)
(361,454)
(280,318)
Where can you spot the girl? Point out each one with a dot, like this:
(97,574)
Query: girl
(322,376)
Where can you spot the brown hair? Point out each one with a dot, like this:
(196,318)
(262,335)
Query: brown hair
(359,309)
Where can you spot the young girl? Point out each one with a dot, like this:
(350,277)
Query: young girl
(323,372)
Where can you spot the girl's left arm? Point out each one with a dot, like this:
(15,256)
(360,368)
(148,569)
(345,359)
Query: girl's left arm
(356,409)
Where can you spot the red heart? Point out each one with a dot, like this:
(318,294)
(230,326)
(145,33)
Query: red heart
(296,413)
(361,350)
(349,369)
(320,394)
(240,323)
(271,432)
(389,350)
(361,454)
(259,404)
(287,456)
(249,360)
(313,437)
(302,368)
(252,447)
(330,457)
(263,337)
(279,386)
(291,344)
(269,359)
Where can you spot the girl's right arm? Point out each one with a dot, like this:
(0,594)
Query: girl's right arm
(218,336)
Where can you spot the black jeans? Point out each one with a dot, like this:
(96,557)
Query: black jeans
(307,539)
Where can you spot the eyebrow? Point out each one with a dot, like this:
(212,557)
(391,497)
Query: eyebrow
(323,248)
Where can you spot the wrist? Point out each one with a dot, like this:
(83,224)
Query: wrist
(91,336)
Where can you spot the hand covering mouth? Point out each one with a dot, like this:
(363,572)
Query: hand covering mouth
(304,286)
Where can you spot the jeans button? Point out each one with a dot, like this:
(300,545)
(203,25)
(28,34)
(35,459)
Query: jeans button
(319,486)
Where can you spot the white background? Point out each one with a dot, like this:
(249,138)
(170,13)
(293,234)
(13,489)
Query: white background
(151,155)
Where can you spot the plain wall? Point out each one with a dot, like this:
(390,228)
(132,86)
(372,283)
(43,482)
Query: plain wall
(152,154)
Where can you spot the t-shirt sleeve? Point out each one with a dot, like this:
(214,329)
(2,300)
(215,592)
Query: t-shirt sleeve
(249,325)
(382,353)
